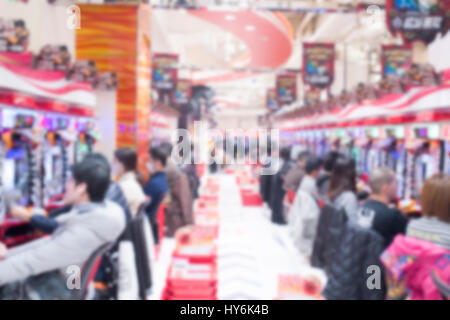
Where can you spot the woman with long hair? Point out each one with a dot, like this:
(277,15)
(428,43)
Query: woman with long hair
(342,188)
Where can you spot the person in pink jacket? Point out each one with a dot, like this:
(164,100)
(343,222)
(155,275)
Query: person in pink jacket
(410,260)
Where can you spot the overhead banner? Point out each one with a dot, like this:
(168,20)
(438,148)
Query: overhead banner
(183,92)
(318,64)
(286,88)
(312,96)
(418,19)
(164,71)
(271,99)
(396,60)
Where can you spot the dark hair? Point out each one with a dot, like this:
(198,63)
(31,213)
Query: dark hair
(330,160)
(285,153)
(94,170)
(302,155)
(157,153)
(19,23)
(63,48)
(435,197)
(313,163)
(343,177)
(166,147)
(127,157)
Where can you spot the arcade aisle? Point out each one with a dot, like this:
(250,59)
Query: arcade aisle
(254,259)
(177,123)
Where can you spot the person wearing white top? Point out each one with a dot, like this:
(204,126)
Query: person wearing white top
(304,215)
(124,166)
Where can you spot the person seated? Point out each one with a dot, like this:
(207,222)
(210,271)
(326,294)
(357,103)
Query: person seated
(91,223)
(125,168)
(376,212)
(411,260)
(49,224)
(157,185)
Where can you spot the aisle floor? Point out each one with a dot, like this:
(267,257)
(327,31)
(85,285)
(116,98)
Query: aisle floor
(252,251)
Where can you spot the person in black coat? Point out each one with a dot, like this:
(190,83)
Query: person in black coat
(276,186)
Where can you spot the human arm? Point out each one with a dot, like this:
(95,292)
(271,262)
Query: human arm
(3,251)
(71,247)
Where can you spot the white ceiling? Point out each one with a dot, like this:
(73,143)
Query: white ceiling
(206,50)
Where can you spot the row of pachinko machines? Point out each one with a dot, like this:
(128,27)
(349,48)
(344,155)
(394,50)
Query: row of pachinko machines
(37,149)
(414,151)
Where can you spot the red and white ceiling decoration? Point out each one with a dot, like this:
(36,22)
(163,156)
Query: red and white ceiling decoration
(422,104)
(51,85)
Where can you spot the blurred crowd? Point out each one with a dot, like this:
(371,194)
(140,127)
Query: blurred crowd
(351,232)
(102,203)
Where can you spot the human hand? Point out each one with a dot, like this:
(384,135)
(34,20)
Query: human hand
(3,251)
(20,213)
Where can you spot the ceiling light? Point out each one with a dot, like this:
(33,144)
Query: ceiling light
(250,28)
(230,17)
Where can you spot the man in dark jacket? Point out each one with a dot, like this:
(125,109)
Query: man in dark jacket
(277,190)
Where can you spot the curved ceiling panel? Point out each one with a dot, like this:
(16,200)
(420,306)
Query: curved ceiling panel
(270,46)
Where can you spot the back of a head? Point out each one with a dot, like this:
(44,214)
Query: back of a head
(166,147)
(303,155)
(98,157)
(159,154)
(313,164)
(330,160)
(285,153)
(379,178)
(435,197)
(94,170)
(343,177)
(127,157)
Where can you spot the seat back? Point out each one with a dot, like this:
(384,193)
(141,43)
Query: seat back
(444,289)
(89,270)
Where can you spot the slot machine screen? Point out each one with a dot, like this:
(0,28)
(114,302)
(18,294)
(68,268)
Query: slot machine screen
(24,121)
(15,173)
(421,133)
(53,166)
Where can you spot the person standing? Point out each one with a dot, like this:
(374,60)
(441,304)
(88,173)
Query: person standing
(323,180)
(342,189)
(277,190)
(376,212)
(304,214)
(295,175)
(179,208)
(124,167)
(157,185)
